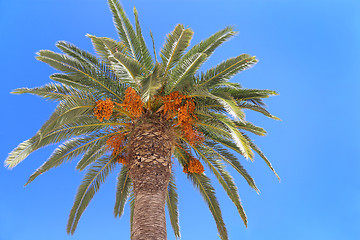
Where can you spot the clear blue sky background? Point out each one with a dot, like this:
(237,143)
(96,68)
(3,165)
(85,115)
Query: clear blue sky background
(308,52)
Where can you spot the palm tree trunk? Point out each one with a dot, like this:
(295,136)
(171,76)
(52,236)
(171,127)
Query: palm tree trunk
(149,221)
(149,154)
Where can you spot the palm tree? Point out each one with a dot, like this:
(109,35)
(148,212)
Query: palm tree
(125,109)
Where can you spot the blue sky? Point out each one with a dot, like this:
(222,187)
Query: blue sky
(309,52)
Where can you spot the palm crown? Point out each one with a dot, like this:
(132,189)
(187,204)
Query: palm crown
(102,100)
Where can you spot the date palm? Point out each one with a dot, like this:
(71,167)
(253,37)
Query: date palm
(124,108)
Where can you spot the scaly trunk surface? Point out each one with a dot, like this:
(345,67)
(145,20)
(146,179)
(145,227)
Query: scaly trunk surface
(149,155)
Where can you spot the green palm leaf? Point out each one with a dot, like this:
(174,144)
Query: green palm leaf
(248,126)
(83,74)
(125,29)
(224,178)
(123,189)
(68,80)
(202,183)
(239,139)
(22,151)
(258,151)
(257,108)
(172,205)
(225,70)
(105,47)
(51,91)
(151,84)
(42,137)
(146,58)
(92,154)
(224,155)
(182,74)
(67,151)
(132,67)
(175,45)
(94,177)
(229,104)
(209,45)
(84,57)
(132,207)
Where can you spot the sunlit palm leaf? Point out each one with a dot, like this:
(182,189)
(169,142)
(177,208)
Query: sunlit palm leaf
(21,151)
(258,151)
(175,45)
(67,151)
(172,205)
(224,155)
(182,74)
(83,74)
(51,91)
(223,177)
(257,108)
(91,155)
(202,183)
(94,177)
(151,84)
(146,58)
(225,70)
(209,45)
(105,47)
(123,189)
(125,29)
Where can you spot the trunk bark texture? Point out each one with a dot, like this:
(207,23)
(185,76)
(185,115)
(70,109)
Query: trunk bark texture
(149,155)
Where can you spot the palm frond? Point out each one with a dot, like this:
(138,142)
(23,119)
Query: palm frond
(80,73)
(172,205)
(196,56)
(225,70)
(132,67)
(226,156)
(84,57)
(105,47)
(239,139)
(68,80)
(219,128)
(66,110)
(176,43)
(21,151)
(203,184)
(246,93)
(94,177)
(132,207)
(254,96)
(123,189)
(257,108)
(248,126)
(90,61)
(154,49)
(151,84)
(258,151)
(224,178)
(125,29)
(92,154)
(146,58)
(209,45)
(229,104)
(67,151)
(182,74)
(51,91)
